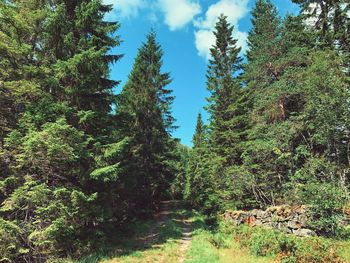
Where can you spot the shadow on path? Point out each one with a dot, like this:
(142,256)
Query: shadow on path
(171,222)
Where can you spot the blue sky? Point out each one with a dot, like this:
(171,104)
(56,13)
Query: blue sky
(184,31)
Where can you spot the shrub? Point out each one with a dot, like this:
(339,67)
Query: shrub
(326,202)
(288,248)
(9,241)
(220,240)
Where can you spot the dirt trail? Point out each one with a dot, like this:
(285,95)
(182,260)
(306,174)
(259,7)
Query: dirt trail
(161,216)
(166,208)
(185,240)
(167,241)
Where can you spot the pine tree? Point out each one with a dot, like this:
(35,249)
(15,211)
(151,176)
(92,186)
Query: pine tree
(19,25)
(179,184)
(200,187)
(228,123)
(145,103)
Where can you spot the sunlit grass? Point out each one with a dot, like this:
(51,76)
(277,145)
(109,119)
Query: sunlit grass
(208,247)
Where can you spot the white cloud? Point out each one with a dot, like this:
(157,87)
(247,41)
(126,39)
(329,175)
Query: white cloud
(126,8)
(234,10)
(204,40)
(179,13)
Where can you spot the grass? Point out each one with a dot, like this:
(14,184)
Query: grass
(289,248)
(244,244)
(201,250)
(216,246)
(209,247)
(344,250)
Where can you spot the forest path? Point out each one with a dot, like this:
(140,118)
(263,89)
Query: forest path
(167,208)
(166,240)
(175,234)
(186,240)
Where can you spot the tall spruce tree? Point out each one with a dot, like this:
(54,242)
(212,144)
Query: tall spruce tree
(19,27)
(260,72)
(145,104)
(329,19)
(212,160)
(226,121)
(60,60)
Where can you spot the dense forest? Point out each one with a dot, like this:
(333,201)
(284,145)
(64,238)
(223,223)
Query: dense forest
(79,160)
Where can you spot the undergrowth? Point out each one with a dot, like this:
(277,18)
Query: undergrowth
(285,248)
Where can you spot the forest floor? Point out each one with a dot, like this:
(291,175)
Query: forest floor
(167,239)
(176,235)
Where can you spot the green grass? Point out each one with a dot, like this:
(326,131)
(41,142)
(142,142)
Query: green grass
(202,250)
(206,248)
(214,246)
(344,250)
(244,244)
(165,246)
(289,248)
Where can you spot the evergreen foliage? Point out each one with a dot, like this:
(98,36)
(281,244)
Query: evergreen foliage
(145,104)
(78,161)
(291,103)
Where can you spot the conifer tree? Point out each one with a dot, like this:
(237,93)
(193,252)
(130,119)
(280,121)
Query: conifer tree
(19,27)
(198,137)
(264,46)
(224,103)
(330,22)
(200,187)
(195,161)
(77,41)
(221,149)
(60,63)
(145,103)
(328,18)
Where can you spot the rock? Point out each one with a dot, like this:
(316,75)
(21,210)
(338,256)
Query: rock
(302,219)
(272,209)
(259,222)
(251,221)
(294,224)
(266,220)
(263,214)
(286,230)
(255,212)
(289,219)
(304,232)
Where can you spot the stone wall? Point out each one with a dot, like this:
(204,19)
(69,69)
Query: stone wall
(289,219)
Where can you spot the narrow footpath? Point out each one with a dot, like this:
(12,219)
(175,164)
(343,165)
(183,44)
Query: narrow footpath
(166,241)
(178,235)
